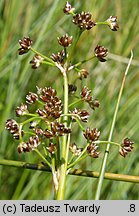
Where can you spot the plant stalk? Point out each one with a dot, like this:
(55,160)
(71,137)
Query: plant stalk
(103,167)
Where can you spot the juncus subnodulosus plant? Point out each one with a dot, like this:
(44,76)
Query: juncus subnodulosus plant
(48,130)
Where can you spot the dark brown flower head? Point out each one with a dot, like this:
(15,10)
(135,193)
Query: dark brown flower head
(31,98)
(38,131)
(12,126)
(72,88)
(81,114)
(25,45)
(94,104)
(92,134)
(17,136)
(76,151)
(68,9)
(51,148)
(65,40)
(23,147)
(91,150)
(83,74)
(101,52)
(57,129)
(59,57)
(53,105)
(85,94)
(112,23)
(36,61)
(34,142)
(30,145)
(126,147)
(21,110)
(83,20)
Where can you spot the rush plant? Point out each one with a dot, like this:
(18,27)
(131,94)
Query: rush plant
(46,121)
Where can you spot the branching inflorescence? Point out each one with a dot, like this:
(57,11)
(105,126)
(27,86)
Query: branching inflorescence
(47,130)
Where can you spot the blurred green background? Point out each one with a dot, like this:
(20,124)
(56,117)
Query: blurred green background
(44,21)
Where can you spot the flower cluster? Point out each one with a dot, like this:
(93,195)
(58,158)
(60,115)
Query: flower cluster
(112,23)
(86,96)
(75,150)
(126,147)
(83,20)
(29,145)
(36,61)
(53,105)
(80,114)
(65,40)
(57,129)
(92,134)
(101,52)
(59,57)
(25,44)
(13,127)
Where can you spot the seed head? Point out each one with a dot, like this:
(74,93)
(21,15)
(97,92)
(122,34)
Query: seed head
(59,57)
(91,150)
(65,40)
(36,61)
(92,134)
(83,20)
(81,114)
(72,88)
(25,45)
(112,23)
(51,148)
(29,145)
(101,52)
(126,147)
(31,98)
(68,9)
(12,126)
(85,94)
(76,151)
(83,74)
(21,110)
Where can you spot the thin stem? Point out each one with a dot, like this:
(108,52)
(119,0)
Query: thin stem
(43,56)
(45,160)
(102,23)
(78,158)
(74,44)
(106,142)
(76,118)
(47,63)
(103,167)
(29,120)
(75,172)
(72,104)
(82,62)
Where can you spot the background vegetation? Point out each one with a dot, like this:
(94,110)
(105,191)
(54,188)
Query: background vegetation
(44,21)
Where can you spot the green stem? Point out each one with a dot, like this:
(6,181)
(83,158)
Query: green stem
(102,23)
(106,142)
(103,167)
(74,172)
(78,158)
(64,154)
(76,118)
(40,155)
(74,44)
(29,120)
(43,56)
(72,104)
(47,63)
(82,62)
